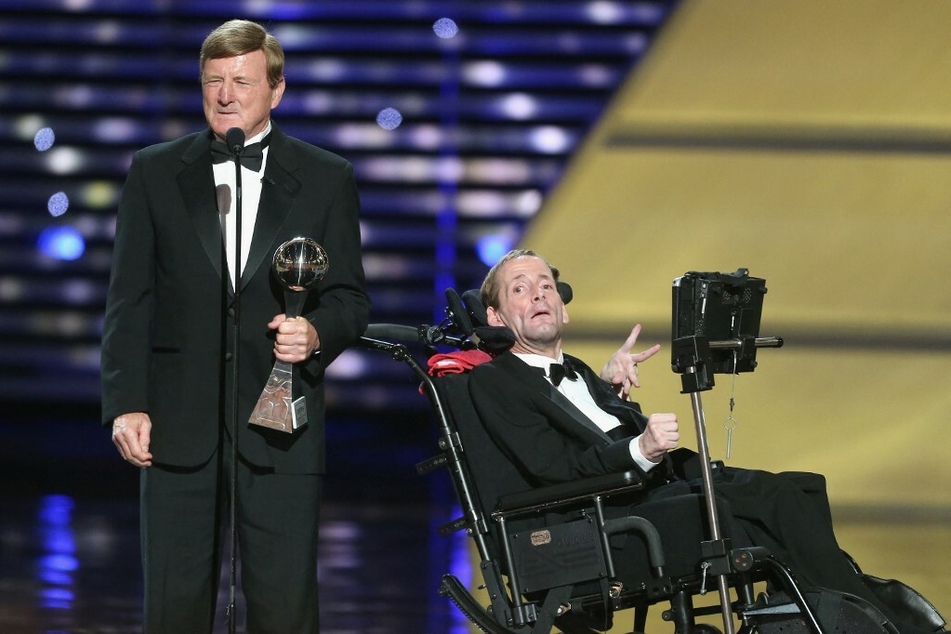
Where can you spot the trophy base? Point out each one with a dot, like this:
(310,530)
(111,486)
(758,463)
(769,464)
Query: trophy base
(275,408)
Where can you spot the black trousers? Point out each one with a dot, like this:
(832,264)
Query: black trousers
(788,513)
(184,517)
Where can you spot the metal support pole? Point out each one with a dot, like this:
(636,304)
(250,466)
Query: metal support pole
(711,503)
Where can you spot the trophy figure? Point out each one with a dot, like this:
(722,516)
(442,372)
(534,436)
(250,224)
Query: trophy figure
(298,264)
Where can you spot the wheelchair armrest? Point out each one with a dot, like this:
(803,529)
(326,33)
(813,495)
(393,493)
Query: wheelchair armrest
(567,493)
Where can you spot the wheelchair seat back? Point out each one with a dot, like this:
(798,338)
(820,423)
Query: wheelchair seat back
(478,449)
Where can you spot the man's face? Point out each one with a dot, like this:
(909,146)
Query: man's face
(529,304)
(235,94)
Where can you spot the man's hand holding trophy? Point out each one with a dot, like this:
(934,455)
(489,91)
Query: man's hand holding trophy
(298,264)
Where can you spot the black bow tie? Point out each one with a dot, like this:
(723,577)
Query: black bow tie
(559,371)
(250,157)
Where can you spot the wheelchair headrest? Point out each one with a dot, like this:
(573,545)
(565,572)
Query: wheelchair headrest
(564,289)
(476,308)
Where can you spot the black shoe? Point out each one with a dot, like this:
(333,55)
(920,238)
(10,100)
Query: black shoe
(907,602)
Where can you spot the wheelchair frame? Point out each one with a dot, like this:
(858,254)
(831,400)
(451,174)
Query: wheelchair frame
(509,611)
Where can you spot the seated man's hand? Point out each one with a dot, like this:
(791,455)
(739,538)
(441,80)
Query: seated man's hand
(662,435)
(621,368)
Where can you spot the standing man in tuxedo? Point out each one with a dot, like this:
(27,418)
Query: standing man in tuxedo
(554,420)
(168,344)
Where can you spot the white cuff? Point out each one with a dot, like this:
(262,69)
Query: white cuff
(642,462)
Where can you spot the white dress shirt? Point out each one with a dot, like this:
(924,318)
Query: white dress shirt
(225,184)
(577,392)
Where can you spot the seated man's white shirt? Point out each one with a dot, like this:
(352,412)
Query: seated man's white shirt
(577,392)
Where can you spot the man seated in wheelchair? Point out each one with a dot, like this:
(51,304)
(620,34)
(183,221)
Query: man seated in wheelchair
(557,429)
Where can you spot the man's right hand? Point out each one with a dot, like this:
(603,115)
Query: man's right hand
(621,369)
(131,434)
(662,435)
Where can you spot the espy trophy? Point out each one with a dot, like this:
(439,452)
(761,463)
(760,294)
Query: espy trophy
(298,264)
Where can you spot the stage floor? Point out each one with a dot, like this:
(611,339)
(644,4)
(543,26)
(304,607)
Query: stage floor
(69,540)
(69,549)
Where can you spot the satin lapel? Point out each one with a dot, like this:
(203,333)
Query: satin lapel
(607,400)
(576,414)
(196,183)
(628,413)
(540,384)
(278,193)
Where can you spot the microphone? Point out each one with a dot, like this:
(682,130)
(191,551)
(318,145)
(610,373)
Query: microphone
(234,138)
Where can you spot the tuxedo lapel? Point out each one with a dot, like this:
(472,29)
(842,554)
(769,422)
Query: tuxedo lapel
(197,188)
(633,421)
(278,192)
(538,383)
(604,396)
(569,408)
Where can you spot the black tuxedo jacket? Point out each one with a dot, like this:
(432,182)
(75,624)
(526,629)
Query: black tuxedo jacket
(546,437)
(541,438)
(167,335)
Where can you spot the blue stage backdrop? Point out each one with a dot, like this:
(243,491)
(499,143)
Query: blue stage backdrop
(458,116)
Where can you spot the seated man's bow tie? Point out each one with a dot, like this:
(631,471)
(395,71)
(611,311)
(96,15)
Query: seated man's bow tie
(559,371)
(251,156)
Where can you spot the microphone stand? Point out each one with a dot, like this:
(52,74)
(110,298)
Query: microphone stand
(235,140)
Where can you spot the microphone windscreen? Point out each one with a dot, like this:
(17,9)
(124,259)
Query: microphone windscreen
(234,137)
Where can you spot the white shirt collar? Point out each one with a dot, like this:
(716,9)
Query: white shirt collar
(260,135)
(538,360)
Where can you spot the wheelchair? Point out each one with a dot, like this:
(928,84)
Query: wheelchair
(546,554)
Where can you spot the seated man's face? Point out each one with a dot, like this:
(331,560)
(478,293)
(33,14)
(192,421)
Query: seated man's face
(529,304)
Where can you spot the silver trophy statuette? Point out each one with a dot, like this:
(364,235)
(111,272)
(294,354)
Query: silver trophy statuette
(298,264)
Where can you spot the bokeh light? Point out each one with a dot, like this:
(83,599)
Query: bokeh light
(550,139)
(492,247)
(61,243)
(100,194)
(604,12)
(445,28)
(519,106)
(389,118)
(44,139)
(115,130)
(487,73)
(58,204)
(64,160)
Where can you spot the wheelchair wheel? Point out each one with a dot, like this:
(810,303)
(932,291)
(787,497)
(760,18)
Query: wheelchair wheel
(457,593)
